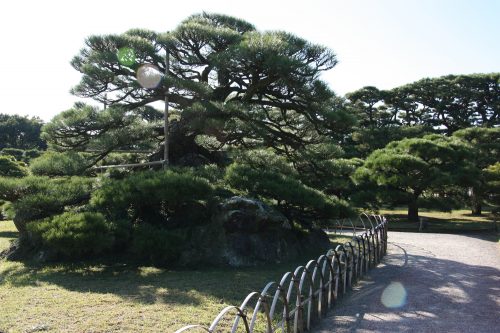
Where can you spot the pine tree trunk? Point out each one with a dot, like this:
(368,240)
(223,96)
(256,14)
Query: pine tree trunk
(413,211)
(477,201)
(477,209)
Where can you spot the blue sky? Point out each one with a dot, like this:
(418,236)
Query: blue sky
(385,43)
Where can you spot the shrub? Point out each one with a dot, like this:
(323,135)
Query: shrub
(9,167)
(492,174)
(35,198)
(157,245)
(122,158)
(7,212)
(18,154)
(53,164)
(31,154)
(21,155)
(152,197)
(12,189)
(210,172)
(290,196)
(73,235)
(122,230)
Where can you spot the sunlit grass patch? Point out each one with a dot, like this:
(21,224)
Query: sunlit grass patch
(454,221)
(121,297)
(8,232)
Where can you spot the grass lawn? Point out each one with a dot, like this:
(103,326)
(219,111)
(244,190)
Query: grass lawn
(87,297)
(7,233)
(339,239)
(456,221)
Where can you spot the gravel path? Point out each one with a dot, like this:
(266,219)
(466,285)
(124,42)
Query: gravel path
(426,283)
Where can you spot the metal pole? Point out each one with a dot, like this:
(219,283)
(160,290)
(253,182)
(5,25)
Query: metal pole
(103,167)
(165,122)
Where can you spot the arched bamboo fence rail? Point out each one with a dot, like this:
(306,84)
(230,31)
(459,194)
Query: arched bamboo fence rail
(303,296)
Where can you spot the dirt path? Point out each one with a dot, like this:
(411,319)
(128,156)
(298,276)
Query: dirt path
(426,283)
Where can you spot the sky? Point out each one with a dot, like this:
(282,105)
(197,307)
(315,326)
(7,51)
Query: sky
(383,43)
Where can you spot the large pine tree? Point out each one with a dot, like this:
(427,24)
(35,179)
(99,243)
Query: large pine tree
(229,84)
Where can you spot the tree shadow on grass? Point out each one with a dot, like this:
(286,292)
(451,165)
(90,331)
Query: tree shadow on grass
(487,214)
(403,218)
(9,234)
(440,225)
(146,285)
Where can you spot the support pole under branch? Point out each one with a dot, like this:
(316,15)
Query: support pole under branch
(165,120)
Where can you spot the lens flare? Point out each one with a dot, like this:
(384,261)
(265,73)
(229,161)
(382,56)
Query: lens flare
(394,295)
(126,56)
(149,76)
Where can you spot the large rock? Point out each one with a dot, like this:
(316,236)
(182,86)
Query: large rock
(255,233)
(239,214)
(248,249)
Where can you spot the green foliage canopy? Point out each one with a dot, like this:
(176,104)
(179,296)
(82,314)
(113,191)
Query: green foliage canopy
(86,128)
(233,84)
(486,143)
(20,132)
(492,188)
(36,197)
(448,103)
(73,235)
(56,164)
(295,200)
(162,198)
(9,167)
(412,167)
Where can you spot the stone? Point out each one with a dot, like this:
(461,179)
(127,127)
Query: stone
(255,233)
(245,249)
(239,214)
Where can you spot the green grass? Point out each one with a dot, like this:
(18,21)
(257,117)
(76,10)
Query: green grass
(7,233)
(455,221)
(92,297)
(339,239)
